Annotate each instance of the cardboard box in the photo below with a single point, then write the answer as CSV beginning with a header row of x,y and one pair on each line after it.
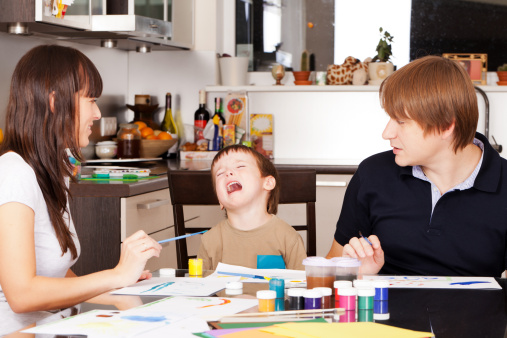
x,y
261,134
197,155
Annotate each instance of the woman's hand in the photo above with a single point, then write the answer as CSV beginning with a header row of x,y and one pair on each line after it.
x,y
371,256
135,252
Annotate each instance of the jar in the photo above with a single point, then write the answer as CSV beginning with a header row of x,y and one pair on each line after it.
x,y
129,141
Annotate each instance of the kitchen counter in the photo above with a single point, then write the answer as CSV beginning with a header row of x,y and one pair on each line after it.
x,y
127,189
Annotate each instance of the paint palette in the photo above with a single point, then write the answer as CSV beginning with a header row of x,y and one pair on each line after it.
x,y
120,173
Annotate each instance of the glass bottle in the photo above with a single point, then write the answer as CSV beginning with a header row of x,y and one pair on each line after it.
x,y
201,117
218,109
129,141
168,124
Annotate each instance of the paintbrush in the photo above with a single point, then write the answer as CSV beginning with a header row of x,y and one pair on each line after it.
x,y
180,237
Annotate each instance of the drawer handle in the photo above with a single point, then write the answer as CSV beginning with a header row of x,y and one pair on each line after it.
x,y
331,184
152,205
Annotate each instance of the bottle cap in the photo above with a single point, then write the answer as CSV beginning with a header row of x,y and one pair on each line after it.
x,y
366,292
347,292
380,284
381,316
362,283
234,285
342,284
296,292
266,294
167,272
312,294
324,291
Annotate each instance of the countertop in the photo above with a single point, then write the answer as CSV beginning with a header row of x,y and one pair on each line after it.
x,y
84,188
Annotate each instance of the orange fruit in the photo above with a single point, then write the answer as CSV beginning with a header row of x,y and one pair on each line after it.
x,y
141,124
146,131
151,137
164,136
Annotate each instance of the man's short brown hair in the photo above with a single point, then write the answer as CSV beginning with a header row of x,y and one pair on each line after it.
x,y
266,168
434,92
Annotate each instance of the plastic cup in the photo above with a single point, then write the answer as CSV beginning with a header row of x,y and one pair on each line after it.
x,y
320,272
346,268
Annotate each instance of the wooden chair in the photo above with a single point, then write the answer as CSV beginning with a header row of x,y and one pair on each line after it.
x,y
195,188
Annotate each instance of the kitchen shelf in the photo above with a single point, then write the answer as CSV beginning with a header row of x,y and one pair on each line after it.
x,y
293,88
315,88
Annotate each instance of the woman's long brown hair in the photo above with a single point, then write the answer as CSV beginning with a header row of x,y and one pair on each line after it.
x,y
40,132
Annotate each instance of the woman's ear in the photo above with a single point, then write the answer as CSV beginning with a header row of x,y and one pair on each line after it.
x,y
269,183
52,101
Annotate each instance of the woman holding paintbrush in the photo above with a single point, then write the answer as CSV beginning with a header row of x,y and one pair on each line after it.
x,y
436,203
49,117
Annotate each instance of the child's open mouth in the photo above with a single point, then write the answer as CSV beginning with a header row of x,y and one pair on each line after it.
x,y
233,186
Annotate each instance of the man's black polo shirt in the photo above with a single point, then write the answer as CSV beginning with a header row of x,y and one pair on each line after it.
x,y
465,236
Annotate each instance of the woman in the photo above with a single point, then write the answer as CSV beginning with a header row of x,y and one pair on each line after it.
x,y
50,113
435,204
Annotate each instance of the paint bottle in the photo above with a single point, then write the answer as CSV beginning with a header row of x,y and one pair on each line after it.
x,y
266,300
195,267
381,290
340,284
381,306
279,304
326,297
296,299
313,299
347,297
348,317
234,288
277,285
365,315
365,298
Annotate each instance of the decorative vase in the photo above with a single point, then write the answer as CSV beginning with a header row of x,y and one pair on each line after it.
x,y
378,71
301,75
278,72
502,78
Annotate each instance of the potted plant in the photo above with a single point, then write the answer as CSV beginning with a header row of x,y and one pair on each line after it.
x,y
302,76
502,74
380,67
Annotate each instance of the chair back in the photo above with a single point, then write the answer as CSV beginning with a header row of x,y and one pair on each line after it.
x,y
196,188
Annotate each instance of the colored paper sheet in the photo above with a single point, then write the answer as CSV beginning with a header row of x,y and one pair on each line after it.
x,y
253,333
176,286
441,282
106,323
346,330
221,332
238,325
207,308
293,278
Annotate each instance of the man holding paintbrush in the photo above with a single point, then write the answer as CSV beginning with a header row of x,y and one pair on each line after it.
x,y
436,204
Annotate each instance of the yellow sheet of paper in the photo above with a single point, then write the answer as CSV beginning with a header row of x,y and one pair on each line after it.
x,y
254,333
284,332
346,330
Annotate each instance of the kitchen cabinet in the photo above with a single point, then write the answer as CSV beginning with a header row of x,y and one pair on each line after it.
x,y
102,223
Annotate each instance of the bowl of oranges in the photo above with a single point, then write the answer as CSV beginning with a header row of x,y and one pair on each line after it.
x,y
154,142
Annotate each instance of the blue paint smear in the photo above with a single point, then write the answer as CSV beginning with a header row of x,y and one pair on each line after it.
x,y
467,283
145,319
158,287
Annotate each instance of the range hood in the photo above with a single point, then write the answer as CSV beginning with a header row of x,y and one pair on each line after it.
x,y
119,28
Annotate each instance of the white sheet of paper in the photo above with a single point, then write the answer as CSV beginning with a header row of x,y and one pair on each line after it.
x,y
433,282
108,323
207,308
176,286
294,278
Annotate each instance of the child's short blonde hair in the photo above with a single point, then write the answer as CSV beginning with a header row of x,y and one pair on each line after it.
x,y
265,166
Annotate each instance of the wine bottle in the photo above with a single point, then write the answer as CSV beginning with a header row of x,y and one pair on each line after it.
x,y
168,124
218,109
201,117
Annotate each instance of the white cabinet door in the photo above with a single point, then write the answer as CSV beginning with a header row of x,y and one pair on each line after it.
x,y
151,212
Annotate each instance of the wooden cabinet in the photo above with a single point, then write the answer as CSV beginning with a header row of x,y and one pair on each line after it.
x,y
102,223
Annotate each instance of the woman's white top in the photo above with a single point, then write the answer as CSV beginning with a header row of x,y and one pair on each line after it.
x,y
19,184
